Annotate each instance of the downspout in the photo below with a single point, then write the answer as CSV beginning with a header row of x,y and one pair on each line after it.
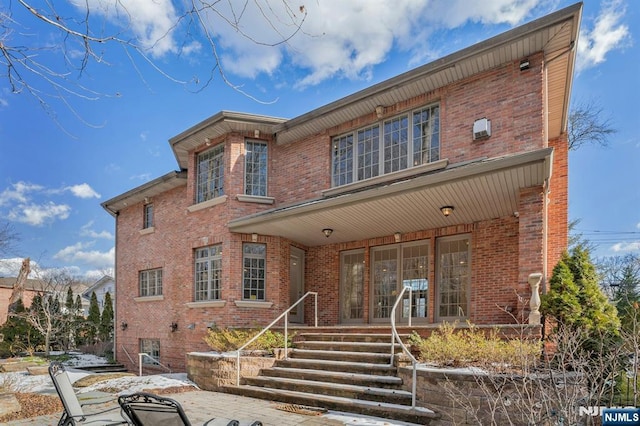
x,y
115,292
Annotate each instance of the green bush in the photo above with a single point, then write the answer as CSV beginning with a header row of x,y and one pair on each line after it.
x,y
452,346
231,339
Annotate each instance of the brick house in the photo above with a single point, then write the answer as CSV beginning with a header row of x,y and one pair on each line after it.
x,y
436,179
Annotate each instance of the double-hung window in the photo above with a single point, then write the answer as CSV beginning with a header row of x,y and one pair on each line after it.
x,y
395,144
254,261
255,163
208,272
150,282
210,174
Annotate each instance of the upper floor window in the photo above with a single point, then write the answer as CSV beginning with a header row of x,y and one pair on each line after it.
x,y
208,272
255,163
254,258
397,143
210,174
148,216
151,282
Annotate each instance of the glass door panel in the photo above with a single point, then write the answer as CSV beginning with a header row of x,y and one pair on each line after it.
x,y
415,274
384,281
352,286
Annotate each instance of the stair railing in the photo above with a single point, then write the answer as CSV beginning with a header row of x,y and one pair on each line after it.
x,y
140,357
395,337
285,314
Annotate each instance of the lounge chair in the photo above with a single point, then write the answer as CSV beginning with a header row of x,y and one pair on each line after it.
x,y
146,409
73,412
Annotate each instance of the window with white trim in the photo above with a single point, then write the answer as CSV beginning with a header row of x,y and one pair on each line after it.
x,y
148,216
210,174
152,348
254,259
255,166
453,276
397,143
150,282
208,273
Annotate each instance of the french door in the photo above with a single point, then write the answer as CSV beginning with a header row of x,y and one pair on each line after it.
x,y
392,268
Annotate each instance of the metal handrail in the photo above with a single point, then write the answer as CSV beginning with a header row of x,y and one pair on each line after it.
x,y
286,335
141,355
396,337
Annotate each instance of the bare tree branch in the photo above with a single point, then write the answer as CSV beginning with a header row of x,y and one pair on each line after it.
x,y
587,126
51,71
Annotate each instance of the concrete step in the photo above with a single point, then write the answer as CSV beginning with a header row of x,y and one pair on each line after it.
x,y
328,345
405,413
349,337
375,394
331,355
104,368
334,377
338,366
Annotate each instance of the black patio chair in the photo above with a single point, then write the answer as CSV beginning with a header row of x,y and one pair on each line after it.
x,y
73,411
147,409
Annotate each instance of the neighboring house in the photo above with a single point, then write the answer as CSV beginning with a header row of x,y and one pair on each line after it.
x,y
31,288
450,178
101,287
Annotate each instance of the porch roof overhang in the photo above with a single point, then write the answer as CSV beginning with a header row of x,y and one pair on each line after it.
x,y
478,190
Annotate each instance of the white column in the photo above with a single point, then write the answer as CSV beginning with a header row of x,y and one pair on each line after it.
x,y
534,302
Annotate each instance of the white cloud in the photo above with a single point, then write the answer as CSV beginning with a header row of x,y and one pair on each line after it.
x,y
39,214
79,253
87,231
82,191
334,39
626,247
11,267
18,193
152,21
607,34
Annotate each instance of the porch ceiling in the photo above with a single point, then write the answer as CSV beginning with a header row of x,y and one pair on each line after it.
x,y
479,190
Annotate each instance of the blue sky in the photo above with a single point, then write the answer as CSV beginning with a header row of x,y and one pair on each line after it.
x,y
67,144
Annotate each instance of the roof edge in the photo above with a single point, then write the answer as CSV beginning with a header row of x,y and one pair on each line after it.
x,y
567,13
176,174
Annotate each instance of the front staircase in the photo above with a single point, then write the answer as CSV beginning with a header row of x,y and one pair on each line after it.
x,y
349,372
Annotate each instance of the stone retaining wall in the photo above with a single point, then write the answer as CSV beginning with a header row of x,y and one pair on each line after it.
x,y
211,371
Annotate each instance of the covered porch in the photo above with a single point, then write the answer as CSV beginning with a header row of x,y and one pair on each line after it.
x,y
358,245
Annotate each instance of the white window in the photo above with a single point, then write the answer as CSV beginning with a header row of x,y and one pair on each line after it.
x,y
254,258
151,282
453,277
368,152
151,348
210,175
395,144
343,160
148,216
255,166
208,272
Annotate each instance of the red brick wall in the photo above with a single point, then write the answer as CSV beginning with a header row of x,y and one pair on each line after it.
x,y
504,250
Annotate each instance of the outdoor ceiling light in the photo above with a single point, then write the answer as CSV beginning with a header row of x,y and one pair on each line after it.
x,y
327,232
446,210
397,237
